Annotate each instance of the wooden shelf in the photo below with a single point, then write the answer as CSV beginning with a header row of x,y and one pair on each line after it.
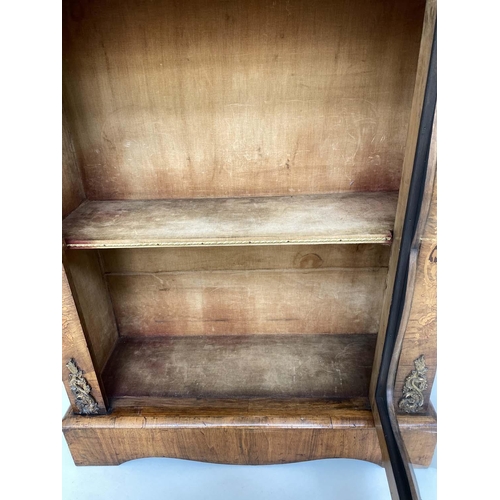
x,y
242,366
335,218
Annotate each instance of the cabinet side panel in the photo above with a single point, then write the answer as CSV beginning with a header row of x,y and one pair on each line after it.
x,y
238,98
421,331
72,186
74,347
409,157
420,85
92,298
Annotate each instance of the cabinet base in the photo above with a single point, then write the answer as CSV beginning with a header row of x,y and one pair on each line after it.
x,y
237,432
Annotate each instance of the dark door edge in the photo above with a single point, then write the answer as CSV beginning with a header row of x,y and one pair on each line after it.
x,y
385,406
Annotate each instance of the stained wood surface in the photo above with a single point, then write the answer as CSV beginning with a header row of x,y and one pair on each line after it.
x,y
238,98
421,330
248,302
72,187
409,157
75,346
241,432
274,366
426,218
162,260
341,218
425,50
92,298
194,411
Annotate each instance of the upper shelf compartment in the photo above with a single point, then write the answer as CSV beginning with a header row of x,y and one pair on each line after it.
x,y
218,99
334,218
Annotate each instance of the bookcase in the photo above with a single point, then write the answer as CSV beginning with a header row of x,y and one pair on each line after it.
x,y
235,181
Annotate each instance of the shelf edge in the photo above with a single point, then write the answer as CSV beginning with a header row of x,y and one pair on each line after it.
x,y
102,244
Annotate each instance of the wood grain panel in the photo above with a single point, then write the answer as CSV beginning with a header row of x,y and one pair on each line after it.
x,y
426,44
239,98
262,433
244,302
427,36
273,366
74,346
91,294
419,433
72,186
160,260
421,331
243,411
342,218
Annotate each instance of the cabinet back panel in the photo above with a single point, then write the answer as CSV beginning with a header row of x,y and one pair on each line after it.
x,y
158,260
171,99
248,302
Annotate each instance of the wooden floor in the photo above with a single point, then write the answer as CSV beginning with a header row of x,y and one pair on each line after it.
x,y
336,218
272,366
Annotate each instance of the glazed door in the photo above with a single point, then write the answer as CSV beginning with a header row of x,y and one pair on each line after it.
x,y
407,364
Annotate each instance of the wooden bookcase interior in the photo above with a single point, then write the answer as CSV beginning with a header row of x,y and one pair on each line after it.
x,y
230,185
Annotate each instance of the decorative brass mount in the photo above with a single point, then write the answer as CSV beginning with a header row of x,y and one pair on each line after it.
x,y
415,385
80,388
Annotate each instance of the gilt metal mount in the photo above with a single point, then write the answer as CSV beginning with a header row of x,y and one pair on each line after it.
x,y
415,385
80,388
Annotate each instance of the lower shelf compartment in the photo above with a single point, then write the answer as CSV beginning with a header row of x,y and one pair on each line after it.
x,y
252,432
242,366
